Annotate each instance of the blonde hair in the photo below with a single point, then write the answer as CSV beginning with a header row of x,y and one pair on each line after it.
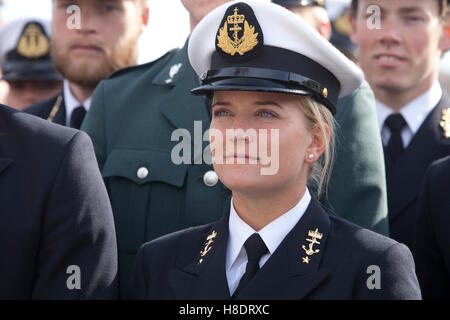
x,y
319,117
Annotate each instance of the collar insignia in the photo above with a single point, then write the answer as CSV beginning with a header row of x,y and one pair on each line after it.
x,y
173,72
312,241
209,240
445,123
33,43
240,35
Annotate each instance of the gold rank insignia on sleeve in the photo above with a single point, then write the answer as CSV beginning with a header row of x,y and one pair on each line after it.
x,y
314,235
209,240
445,123
240,32
33,42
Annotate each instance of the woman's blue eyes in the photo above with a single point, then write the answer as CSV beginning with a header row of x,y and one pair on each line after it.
x,y
267,114
261,113
220,113
107,8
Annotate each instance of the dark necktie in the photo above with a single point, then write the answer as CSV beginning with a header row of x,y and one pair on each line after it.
x,y
255,248
77,117
395,123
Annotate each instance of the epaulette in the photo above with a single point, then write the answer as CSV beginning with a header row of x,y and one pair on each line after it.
x,y
125,70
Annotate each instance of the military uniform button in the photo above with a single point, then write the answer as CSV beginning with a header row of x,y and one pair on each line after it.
x,y
210,178
142,173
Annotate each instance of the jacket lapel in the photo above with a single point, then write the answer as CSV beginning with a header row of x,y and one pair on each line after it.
x,y
284,276
205,280
178,105
406,177
290,272
60,116
5,163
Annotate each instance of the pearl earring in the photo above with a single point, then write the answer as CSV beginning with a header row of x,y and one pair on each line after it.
x,y
311,156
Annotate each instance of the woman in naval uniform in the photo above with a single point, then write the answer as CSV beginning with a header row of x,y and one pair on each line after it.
x,y
274,84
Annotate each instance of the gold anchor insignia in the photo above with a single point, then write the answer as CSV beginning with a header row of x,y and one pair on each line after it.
x,y
209,241
310,251
445,123
33,43
245,44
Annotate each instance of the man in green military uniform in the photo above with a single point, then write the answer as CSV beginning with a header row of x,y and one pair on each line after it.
x,y
131,121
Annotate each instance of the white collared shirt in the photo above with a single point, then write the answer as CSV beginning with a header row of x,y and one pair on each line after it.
x,y
414,114
272,235
71,102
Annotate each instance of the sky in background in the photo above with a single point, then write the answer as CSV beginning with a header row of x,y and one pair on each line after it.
x,y
168,24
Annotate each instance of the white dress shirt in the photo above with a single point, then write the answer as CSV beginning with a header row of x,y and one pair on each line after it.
x,y
71,102
414,113
272,235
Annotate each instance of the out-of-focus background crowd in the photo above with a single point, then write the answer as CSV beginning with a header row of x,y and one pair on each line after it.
x,y
153,42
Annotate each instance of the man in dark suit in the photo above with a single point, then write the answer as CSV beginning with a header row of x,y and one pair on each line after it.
x,y
432,245
87,53
399,53
57,235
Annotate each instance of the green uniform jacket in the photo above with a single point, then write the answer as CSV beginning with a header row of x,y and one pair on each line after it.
x,y
131,121
357,189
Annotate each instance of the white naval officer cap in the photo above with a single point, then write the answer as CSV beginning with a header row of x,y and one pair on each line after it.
x,y
11,31
25,50
259,46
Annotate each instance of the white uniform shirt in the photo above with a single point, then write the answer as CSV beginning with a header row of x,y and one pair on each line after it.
x,y
272,235
71,102
414,113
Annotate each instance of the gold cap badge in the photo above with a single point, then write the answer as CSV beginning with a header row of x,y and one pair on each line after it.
x,y
240,32
33,42
445,123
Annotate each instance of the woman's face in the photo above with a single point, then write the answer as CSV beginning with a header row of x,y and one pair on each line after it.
x,y
260,142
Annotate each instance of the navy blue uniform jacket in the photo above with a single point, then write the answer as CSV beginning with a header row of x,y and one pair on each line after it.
x,y
55,214
405,179
169,268
432,245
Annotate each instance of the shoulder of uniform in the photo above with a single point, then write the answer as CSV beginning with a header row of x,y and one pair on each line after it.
x,y
187,236
358,237
143,67
36,131
41,108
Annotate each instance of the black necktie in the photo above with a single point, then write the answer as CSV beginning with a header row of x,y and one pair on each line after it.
x,y
77,117
255,248
395,123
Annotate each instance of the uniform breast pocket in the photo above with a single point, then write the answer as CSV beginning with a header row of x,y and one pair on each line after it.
x,y
146,194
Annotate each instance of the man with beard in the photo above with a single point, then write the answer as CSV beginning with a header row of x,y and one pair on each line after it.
x,y
131,123
105,40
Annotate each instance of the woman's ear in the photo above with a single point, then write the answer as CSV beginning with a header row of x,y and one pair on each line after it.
x,y
444,43
318,144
